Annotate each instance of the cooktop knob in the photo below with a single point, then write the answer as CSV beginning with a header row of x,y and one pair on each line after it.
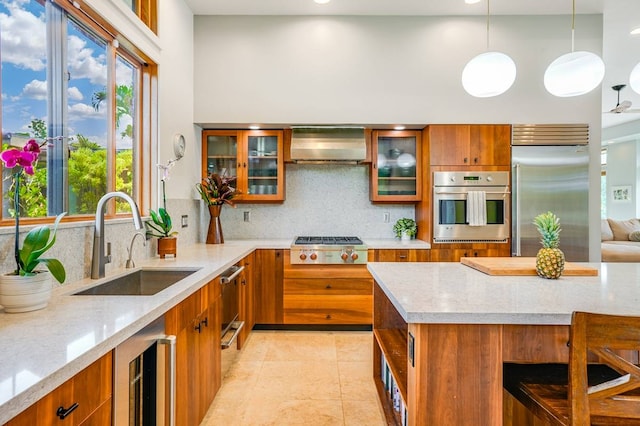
x,y
344,256
354,256
313,256
303,256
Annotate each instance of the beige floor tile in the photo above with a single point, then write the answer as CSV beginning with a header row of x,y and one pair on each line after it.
x,y
310,346
363,413
356,380
273,412
354,346
298,380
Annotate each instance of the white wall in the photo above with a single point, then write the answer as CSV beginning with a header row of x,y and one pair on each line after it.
x,y
385,70
622,170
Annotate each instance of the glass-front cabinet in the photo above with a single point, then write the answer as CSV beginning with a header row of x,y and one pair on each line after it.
x,y
255,157
395,166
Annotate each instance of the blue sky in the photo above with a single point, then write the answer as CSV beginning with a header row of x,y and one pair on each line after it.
x,y
24,80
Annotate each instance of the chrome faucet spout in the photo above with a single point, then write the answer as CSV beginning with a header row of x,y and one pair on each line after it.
x,y
98,259
130,263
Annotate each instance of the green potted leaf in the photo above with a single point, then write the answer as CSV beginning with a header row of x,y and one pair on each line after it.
x,y
160,227
405,228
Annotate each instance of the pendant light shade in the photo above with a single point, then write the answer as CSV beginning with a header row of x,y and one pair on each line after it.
x,y
489,74
574,74
634,79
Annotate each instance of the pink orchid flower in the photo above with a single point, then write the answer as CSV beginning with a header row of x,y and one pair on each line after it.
x,y
24,158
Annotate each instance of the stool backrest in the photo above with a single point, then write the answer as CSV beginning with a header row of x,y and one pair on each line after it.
x,y
603,335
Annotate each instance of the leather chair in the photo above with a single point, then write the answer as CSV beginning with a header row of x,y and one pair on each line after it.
x,y
581,393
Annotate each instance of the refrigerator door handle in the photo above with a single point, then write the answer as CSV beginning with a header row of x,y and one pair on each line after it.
x,y
515,238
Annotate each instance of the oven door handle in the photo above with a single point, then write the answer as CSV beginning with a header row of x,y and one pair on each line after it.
x,y
465,192
227,279
170,341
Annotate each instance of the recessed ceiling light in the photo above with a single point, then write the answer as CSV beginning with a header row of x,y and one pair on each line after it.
x,y
399,128
471,1
635,31
322,1
254,127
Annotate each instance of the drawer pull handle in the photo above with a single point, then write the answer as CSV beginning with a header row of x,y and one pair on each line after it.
x,y
403,256
205,321
328,316
64,412
328,286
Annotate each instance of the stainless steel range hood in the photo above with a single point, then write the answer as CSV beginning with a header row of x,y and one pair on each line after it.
x,y
323,144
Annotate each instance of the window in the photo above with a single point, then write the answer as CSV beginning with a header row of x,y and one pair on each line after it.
x,y
68,81
603,183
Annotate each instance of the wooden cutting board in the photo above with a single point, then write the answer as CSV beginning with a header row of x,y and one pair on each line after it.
x,y
520,266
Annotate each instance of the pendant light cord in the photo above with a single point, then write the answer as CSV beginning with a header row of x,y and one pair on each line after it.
x,y
488,1
573,26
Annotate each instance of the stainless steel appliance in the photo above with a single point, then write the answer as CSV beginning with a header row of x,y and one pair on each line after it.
x,y
231,326
451,191
328,250
141,385
551,178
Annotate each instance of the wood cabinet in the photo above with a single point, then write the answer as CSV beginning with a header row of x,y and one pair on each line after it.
x,y
327,294
246,297
453,252
469,145
91,389
196,324
396,166
398,255
255,157
268,276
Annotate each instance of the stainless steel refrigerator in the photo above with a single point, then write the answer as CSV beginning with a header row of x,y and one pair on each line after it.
x,y
556,179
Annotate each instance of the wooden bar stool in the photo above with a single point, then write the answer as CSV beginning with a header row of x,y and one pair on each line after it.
x,y
581,393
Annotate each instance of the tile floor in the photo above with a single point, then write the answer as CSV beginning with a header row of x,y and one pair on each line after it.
x,y
299,377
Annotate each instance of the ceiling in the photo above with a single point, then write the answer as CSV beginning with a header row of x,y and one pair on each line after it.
x,y
621,51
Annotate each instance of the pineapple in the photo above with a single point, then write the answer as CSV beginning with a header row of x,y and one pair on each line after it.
x,y
550,259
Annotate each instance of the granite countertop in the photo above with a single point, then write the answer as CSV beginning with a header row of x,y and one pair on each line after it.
x,y
43,349
457,294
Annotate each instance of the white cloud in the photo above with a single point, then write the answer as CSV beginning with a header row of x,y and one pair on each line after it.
x,y
83,63
23,38
82,111
35,89
74,94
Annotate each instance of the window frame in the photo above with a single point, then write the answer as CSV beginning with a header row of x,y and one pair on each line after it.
x,y
146,114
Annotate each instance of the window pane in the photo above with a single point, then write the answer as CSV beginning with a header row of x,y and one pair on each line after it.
x,y
24,96
125,134
87,118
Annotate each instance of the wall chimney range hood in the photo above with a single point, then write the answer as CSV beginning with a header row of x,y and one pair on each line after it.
x,y
328,144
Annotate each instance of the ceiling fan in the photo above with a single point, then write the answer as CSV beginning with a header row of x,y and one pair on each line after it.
x,y
623,106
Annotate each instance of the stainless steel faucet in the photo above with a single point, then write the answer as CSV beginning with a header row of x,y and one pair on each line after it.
x,y
130,263
98,259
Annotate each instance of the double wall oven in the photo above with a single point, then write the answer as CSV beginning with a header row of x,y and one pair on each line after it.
x,y
453,193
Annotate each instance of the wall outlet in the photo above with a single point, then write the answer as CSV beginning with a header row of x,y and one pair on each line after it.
x,y
247,216
386,217
185,220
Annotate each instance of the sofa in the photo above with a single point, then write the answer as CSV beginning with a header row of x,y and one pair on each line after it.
x,y
620,240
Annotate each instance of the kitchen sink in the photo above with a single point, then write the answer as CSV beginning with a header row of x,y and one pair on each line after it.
x,y
143,282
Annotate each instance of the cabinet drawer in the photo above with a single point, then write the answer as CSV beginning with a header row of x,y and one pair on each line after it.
x,y
91,388
302,309
328,287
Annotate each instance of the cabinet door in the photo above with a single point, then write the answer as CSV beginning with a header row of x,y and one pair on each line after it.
x,y
396,168
490,145
262,177
268,276
246,299
220,152
449,145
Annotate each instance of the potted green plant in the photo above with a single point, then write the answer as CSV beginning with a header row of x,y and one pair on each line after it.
x,y
161,227
405,228
26,288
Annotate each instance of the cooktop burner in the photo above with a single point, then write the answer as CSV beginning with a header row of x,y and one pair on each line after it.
x,y
333,241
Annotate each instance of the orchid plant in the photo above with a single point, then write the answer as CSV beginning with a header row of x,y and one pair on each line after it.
x,y
41,238
161,224
216,190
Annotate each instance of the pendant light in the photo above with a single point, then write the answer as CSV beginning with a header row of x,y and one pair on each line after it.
x,y
490,73
575,73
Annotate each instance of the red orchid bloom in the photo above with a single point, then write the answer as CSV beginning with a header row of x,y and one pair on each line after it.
x,y
24,158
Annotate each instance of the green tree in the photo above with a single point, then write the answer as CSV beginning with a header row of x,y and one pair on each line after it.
x,y
87,178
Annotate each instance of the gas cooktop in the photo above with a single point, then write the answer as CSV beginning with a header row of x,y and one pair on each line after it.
x,y
333,241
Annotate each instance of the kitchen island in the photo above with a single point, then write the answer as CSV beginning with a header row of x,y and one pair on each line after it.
x,y
445,330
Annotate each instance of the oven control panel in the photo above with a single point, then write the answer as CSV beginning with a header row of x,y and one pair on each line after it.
x,y
326,256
